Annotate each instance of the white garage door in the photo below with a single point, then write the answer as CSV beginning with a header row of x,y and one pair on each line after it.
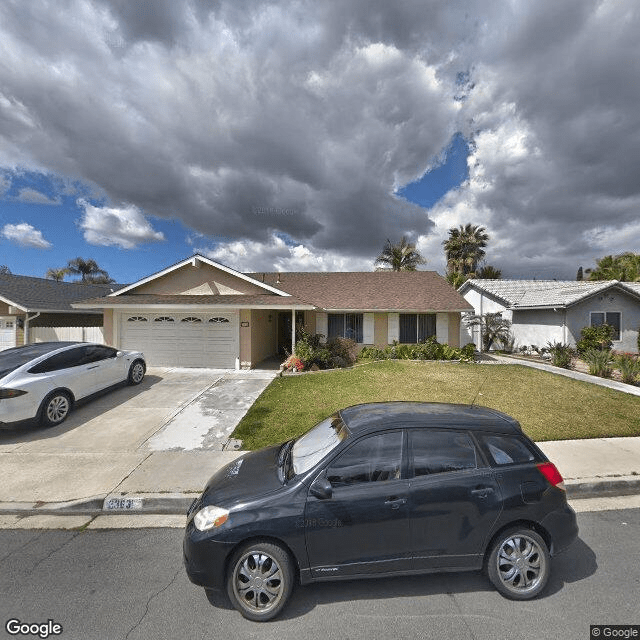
x,y
183,340
7,333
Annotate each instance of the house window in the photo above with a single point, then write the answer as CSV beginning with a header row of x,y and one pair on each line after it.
x,y
611,318
219,320
345,325
191,319
137,319
163,319
415,327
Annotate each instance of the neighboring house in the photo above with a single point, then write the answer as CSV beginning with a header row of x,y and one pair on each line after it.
x,y
37,309
543,311
201,313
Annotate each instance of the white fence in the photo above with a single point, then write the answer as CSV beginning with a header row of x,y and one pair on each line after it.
x,y
71,334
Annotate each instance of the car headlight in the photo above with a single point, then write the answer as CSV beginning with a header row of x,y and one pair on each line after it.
x,y
210,518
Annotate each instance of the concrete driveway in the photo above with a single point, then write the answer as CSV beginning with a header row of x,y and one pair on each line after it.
x,y
172,426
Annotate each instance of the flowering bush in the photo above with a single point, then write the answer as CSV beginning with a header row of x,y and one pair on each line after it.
x,y
293,362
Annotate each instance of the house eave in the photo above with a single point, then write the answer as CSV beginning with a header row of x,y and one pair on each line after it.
x,y
200,307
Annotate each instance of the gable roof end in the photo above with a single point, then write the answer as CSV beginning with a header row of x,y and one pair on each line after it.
x,y
193,260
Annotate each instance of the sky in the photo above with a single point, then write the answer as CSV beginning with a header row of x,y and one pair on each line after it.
x,y
301,135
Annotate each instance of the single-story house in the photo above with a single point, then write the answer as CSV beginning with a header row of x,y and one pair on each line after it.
x,y
37,309
543,311
199,313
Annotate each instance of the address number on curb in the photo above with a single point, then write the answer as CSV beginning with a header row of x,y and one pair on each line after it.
x,y
122,504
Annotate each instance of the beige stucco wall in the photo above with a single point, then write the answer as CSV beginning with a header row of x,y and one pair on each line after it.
x,y
201,280
107,328
380,330
454,329
263,335
245,338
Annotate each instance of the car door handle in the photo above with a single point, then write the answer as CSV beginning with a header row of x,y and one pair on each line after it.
x,y
394,502
482,493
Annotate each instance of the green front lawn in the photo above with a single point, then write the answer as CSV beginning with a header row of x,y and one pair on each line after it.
x,y
549,407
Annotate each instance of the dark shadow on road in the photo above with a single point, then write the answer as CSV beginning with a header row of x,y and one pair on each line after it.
x,y
577,563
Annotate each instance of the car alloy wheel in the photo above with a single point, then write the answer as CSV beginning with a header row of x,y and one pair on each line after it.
x,y
56,408
260,580
519,564
136,372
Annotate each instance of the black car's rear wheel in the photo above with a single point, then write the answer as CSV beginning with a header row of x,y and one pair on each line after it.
x,y
260,580
55,408
519,564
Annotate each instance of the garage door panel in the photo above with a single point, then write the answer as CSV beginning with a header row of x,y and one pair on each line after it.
x,y
189,340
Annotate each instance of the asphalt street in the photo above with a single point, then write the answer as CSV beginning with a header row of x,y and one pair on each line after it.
x,y
106,584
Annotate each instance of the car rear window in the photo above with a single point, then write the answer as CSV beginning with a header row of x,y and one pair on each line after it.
x,y
434,451
11,359
505,449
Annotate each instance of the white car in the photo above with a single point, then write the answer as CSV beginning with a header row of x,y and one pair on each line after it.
x,y
43,381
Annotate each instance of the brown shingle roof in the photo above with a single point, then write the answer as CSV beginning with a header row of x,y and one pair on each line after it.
x,y
144,299
424,291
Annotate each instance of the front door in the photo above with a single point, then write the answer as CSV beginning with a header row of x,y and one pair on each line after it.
x,y
363,527
454,500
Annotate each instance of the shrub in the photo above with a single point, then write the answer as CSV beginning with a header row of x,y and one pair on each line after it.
x,y
468,352
311,351
371,353
343,350
629,366
599,362
597,338
561,354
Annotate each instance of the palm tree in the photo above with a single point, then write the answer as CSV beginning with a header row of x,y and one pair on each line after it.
x,y
489,272
89,271
465,248
399,257
57,274
624,267
493,328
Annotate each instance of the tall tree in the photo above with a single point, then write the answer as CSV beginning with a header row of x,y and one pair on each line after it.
x,y
488,272
624,267
57,274
89,271
402,256
465,248
580,275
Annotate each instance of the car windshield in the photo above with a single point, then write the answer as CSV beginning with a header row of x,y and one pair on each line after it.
x,y
314,445
11,359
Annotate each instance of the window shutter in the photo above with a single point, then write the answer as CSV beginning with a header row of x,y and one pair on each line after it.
x,y
367,330
394,327
322,326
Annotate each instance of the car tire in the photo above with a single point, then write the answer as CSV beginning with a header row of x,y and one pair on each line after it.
x,y
519,563
55,408
136,372
260,580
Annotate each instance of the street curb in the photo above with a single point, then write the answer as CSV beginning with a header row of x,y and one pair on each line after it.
x,y
602,487
178,503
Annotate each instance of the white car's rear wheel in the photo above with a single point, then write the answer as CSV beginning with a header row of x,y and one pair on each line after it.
x,y
55,408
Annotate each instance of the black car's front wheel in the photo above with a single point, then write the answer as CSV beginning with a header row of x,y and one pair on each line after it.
x,y
260,580
519,564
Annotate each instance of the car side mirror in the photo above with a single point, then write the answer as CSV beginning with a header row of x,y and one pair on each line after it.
x,y
321,488
119,354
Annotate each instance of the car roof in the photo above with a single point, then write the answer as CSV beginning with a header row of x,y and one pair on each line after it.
x,y
376,415
15,357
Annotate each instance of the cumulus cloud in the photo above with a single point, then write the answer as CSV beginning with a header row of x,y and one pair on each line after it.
x,y
110,226
209,111
25,235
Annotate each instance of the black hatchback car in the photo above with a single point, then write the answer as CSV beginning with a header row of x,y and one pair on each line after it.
x,y
377,490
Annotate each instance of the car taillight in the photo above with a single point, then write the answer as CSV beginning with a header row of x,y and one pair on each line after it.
x,y
11,393
549,471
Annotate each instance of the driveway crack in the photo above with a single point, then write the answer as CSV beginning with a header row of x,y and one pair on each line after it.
x,y
151,597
